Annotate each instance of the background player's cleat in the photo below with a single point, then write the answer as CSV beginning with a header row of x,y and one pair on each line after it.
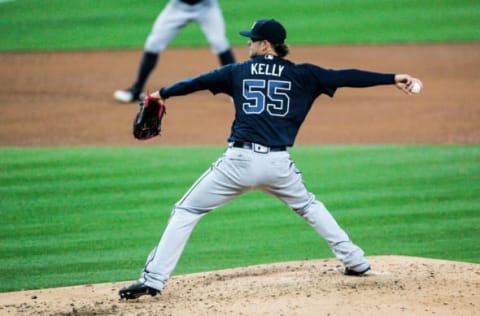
x,y
137,289
351,272
128,95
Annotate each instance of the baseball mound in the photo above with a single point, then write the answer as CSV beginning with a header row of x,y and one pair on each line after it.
x,y
395,286
66,100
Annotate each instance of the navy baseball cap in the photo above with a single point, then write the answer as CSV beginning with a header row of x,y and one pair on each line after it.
x,y
267,29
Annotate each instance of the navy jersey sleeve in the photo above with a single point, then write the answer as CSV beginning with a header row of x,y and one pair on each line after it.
x,y
328,80
217,81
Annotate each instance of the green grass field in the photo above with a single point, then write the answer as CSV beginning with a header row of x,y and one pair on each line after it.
x,y
92,24
89,215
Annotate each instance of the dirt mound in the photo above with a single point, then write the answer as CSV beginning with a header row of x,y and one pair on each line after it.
x,y
395,286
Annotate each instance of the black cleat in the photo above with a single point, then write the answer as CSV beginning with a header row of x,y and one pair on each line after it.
x,y
137,289
351,272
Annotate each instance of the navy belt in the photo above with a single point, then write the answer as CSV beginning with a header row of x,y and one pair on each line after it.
x,y
257,147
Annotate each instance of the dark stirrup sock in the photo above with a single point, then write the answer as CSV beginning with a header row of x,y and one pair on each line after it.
x,y
149,61
226,57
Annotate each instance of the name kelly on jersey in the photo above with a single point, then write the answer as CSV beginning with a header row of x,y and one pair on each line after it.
x,y
266,69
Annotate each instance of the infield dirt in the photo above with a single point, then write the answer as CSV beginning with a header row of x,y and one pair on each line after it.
x,y
65,99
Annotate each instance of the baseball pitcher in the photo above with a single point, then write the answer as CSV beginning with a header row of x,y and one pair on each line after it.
x,y
272,97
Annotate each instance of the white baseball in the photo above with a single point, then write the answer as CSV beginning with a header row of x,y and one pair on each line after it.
x,y
416,87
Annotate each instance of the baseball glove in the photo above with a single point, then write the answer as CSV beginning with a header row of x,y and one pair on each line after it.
x,y
148,121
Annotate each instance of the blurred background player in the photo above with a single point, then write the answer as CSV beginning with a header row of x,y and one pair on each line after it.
x,y
176,15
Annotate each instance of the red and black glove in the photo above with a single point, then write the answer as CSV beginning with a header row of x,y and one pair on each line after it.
x,y
148,121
